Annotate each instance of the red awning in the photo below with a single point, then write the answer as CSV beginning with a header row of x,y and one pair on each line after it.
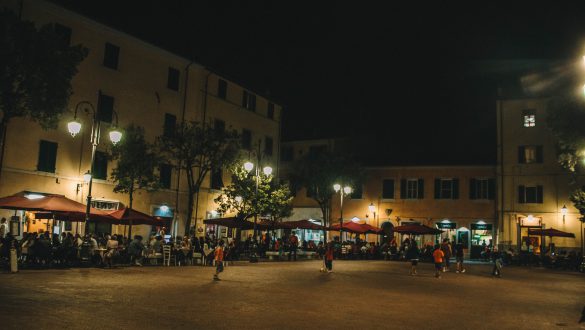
x,y
301,224
123,216
550,232
417,230
350,226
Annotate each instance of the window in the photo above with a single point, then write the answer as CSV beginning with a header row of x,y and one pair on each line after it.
x,y
105,107
222,89
219,126
47,156
111,54
357,192
482,189
287,154
530,194
446,188
530,154
268,146
388,189
249,101
270,112
216,179
170,125
64,33
412,188
529,118
165,171
173,79
100,166
247,139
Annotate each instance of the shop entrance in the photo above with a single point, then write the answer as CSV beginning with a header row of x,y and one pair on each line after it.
x,y
481,239
449,231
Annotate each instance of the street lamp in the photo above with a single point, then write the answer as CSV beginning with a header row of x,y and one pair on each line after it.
x,y
267,170
564,212
74,127
346,191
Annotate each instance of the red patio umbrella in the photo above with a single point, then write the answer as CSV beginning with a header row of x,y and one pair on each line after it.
x,y
230,222
350,226
123,216
302,224
550,232
415,229
371,229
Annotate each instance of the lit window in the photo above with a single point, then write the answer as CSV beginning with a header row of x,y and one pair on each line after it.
x,y
529,118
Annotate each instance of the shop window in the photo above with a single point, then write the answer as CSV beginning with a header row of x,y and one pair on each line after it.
x,y
482,188
173,79
47,156
165,172
268,146
249,101
388,189
222,89
100,166
105,107
111,55
447,188
246,139
530,155
216,179
412,188
530,194
529,118
170,125
270,111
64,33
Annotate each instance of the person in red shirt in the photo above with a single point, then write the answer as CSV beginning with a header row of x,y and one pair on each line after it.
x,y
329,257
438,255
293,242
218,260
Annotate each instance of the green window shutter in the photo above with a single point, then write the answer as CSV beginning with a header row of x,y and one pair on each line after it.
x,y
521,155
421,188
437,188
455,194
521,194
100,166
539,197
165,174
492,189
403,188
472,189
539,154
47,156
388,189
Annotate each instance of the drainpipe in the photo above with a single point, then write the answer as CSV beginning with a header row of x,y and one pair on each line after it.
x,y
500,106
176,213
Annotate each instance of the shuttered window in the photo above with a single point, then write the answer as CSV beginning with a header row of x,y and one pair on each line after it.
x,y
530,194
388,189
100,166
47,156
446,188
480,188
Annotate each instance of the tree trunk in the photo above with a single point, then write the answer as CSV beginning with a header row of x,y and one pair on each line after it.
x,y
3,130
189,211
130,209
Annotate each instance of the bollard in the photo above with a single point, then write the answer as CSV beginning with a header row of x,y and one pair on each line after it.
x,y
13,261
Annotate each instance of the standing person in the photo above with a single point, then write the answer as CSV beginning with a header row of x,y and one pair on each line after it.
x,y
459,257
413,254
112,250
294,244
438,256
447,251
218,260
497,259
329,257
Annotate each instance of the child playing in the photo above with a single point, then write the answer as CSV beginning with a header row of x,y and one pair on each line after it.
x,y
218,260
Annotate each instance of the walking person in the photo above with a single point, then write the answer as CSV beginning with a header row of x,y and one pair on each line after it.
x,y
218,260
294,244
328,257
412,254
438,256
497,259
447,251
459,252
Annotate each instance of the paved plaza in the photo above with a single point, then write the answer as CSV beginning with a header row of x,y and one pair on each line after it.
x,y
285,295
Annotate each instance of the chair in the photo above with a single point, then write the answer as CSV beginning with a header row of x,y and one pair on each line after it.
x,y
168,256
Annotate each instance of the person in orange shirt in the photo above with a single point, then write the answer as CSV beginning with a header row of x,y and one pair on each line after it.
x,y
218,260
438,255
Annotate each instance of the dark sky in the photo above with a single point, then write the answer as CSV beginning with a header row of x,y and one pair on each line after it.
x,y
411,83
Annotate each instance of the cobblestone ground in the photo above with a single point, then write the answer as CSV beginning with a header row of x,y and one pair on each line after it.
x,y
359,294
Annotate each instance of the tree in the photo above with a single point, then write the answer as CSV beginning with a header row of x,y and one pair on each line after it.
x,y
36,68
136,165
198,148
272,200
319,172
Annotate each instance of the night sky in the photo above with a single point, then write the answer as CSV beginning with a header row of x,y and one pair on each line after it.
x,y
410,83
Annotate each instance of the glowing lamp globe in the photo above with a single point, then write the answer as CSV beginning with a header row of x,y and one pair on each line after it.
x,y
115,136
267,170
87,177
347,190
238,199
248,166
74,127
336,187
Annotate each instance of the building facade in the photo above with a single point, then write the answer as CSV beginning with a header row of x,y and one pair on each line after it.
x,y
534,188
145,85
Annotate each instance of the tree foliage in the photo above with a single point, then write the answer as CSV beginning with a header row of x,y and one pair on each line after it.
x,y
197,149
319,172
273,200
136,164
36,68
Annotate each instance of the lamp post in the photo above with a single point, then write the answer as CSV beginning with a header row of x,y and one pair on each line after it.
x,y
372,209
74,127
345,191
267,170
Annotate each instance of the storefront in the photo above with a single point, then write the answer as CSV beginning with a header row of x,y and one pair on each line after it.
x,y
524,225
449,229
481,237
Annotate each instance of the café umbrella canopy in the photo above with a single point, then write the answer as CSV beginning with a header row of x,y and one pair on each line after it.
x,y
416,229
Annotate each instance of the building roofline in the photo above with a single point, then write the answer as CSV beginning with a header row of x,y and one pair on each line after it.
x,y
430,167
